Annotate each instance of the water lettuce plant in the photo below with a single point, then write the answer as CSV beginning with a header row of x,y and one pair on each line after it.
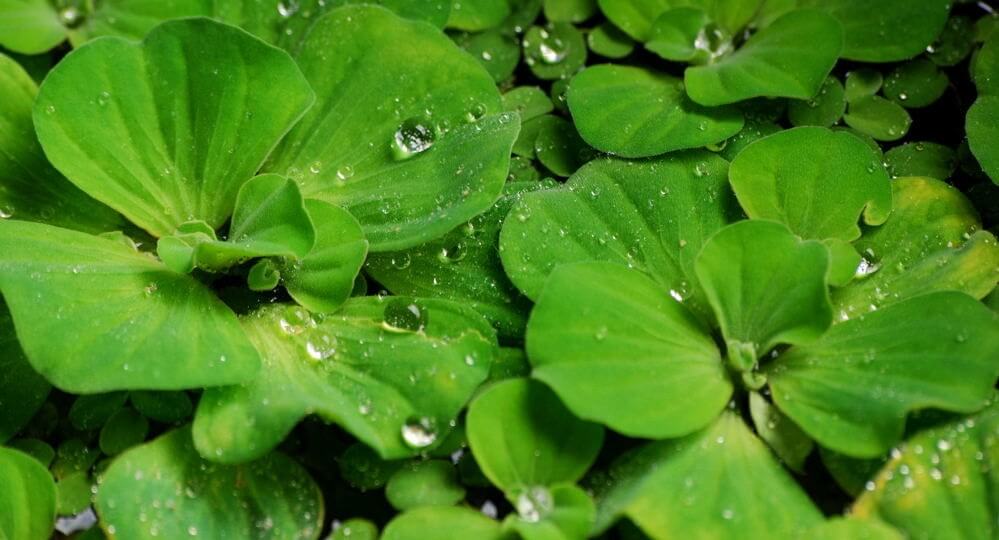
x,y
499,269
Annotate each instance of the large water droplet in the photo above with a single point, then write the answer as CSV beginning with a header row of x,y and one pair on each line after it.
x,y
419,432
534,503
413,137
404,316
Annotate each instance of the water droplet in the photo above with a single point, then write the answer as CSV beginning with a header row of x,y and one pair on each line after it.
x,y
104,98
401,261
413,137
6,212
287,8
476,112
315,167
71,17
295,320
404,316
345,172
192,530
534,503
419,432
601,333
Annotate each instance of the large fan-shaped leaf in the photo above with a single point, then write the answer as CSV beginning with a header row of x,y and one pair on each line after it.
x,y
635,112
930,242
165,489
393,372
166,131
721,482
405,138
814,180
941,483
886,30
852,389
619,350
652,215
773,62
30,189
123,320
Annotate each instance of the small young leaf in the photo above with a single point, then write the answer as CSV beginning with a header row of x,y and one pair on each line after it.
x,y
617,349
523,436
876,116
815,181
208,500
325,277
560,148
862,83
766,286
983,131
91,412
824,109
675,36
125,429
916,83
921,159
772,62
474,15
783,436
28,497
609,41
851,389
443,523
635,112
573,11
432,482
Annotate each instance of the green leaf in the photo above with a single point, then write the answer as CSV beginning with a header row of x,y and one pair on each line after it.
x,y
721,482
851,389
323,280
555,51
498,50
983,131
28,497
375,96
463,266
940,483
921,159
561,513
424,483
210,117
393,372
355,529
73,493
91,412
954,43
851,528
782,435
523,436
824,109
559,147
473,15
31,188
878,117
634,112
22,390
573,11
984,72
862,83
772,62
165,489
887,30
609,41
30,26
442,523
527,101
766,286
363,469
916,83
929,243
125,429
634,17
675,36
269,219
84,289
653,215
815,181
617,349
